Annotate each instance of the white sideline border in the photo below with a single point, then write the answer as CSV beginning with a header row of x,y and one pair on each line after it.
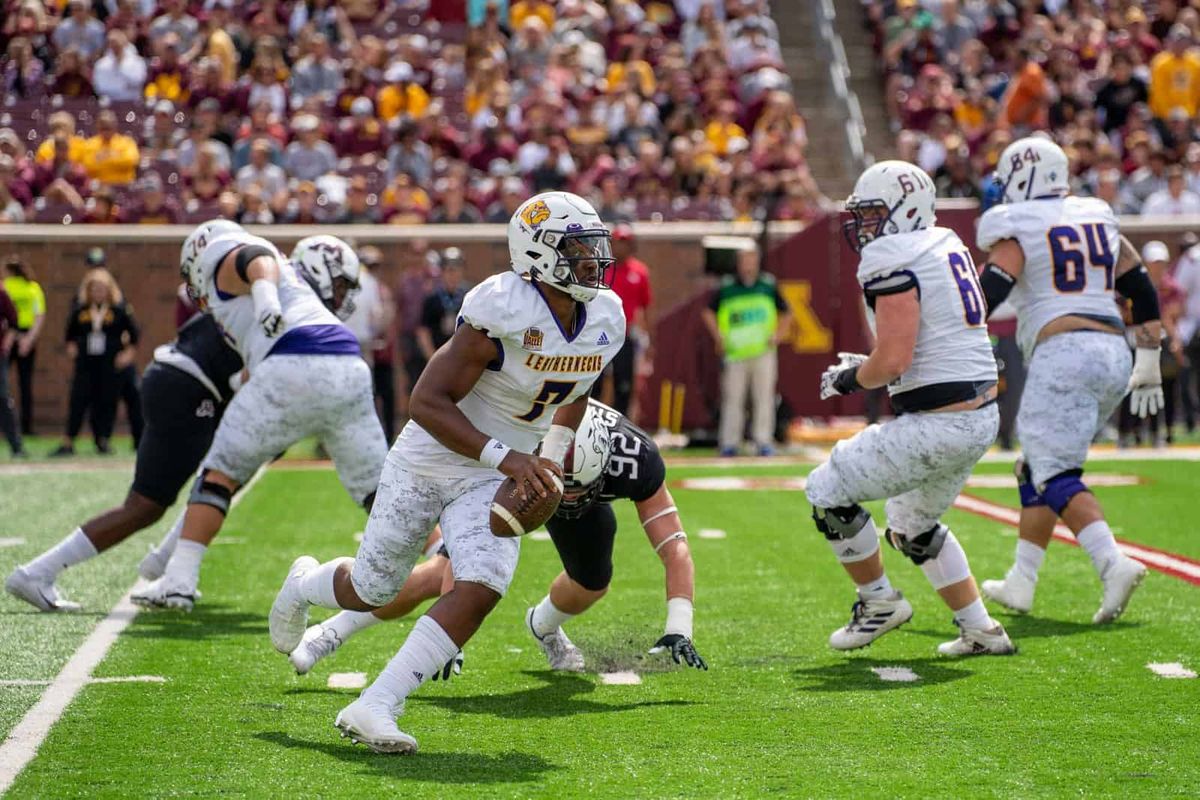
x,y
25,739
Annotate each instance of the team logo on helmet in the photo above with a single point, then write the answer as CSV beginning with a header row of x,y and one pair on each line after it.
x,y
535,213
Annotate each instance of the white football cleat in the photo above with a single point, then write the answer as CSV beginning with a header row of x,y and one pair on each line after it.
x,y
289,612
871,619
1120,578
317,643
154,563
374,724
972,642
166,592
1014,591
41,594
561,652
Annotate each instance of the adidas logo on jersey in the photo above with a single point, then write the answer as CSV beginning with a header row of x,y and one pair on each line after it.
x,y
603,340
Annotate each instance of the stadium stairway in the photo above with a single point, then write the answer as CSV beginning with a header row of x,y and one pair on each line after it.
x,y
864,78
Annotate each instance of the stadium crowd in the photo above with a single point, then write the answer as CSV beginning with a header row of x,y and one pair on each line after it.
x,y
1117,83
396,111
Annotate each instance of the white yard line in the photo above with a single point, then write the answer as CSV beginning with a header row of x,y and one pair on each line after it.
x,y
347,680
896,674
24,740
711,533
11,541
1171,670
126,679
540,535
624,678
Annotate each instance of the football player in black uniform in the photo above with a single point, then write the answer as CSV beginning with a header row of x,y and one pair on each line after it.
x,y
611,459
184,391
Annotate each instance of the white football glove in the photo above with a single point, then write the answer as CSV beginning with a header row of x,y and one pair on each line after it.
x,y
829,376
1145,384
267,307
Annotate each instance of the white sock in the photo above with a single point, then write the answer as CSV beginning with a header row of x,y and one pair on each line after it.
x,y
974,616
547,618
348,623
426,650
1097,539
878,589
171,539
1029,559
70,551
185,562
317,584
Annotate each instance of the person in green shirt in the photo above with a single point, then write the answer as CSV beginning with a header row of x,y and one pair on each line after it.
x,y
746,319
26,294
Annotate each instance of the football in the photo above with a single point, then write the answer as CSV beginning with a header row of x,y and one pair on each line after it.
x,y
513,516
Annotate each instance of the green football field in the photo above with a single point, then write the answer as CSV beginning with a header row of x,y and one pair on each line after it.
x,y
215,711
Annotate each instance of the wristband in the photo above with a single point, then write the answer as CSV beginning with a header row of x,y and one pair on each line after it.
x,y
266,295
557,444
493,453
679,617
846,381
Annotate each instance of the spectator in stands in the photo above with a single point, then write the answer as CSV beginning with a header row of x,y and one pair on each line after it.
x,y
12,210
101,337
102,208
317,74
1108,189
354,85
1147,179
8,337
306,207
109,157
360,137
1120,92
254,210
1157,257
439,310
1026,102
24,74
162,132
453,206
61,180
120,73
309,156
265,84
401,95
512,194
612,204
631,282
71,77
153,207
410,155
359,208
1175,75
216,41
261,125
213,85
405,203
746,320
167,75
131,17
270,178
1178,134
955,177
26,294
1191,162
954,29
205,180
1174,201
176,20
79,30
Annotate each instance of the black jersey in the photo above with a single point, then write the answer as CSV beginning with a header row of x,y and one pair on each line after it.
x,y
635,468
202,343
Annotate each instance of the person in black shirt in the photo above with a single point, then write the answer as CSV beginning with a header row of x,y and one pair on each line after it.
x,y
1120,93
611,459
101,338
184,392
439,312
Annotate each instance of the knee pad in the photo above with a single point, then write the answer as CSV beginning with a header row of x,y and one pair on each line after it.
x,y
849,531
1030,496
1059,490
593,577
923,546
207,493
950,565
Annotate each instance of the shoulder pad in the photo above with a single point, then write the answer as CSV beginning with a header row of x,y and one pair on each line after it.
x,y
995,225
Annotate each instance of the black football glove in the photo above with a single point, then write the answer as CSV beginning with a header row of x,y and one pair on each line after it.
x,y
681,649
451,667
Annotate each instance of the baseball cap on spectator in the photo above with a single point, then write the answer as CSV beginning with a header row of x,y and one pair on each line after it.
x,y
1178,113
1179,32
165,106
1155,251
151,182
304,123
398,72
452,257
362,107
622,232
95,256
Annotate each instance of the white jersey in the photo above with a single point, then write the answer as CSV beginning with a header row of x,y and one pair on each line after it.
x,y
236,316
1071,246
538,367
953,346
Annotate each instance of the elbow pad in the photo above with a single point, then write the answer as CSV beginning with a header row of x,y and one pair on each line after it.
x,y
247,254
1143,297
996,285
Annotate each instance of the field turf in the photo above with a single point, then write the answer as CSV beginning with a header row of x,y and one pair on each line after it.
x,y
1075,713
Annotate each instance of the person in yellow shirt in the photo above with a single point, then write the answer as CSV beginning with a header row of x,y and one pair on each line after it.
x,y
110,157
26,294
527,8
1175,75
401,95
61,122
220,46
722,129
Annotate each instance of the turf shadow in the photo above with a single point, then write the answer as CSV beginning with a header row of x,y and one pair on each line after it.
x,y
854,675
562,695
435,767
209,621
1025,626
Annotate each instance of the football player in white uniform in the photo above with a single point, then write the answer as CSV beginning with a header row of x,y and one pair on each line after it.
x,y
1059,259
934,355
516,373
308,378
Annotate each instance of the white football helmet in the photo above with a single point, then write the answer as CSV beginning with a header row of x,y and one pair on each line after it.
x,y
193,248
558,239
1033,168
890,197
583,471
332,268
